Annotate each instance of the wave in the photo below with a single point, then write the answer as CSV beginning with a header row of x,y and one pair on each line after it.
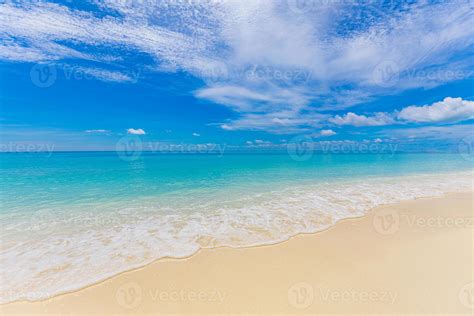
x,y
51,251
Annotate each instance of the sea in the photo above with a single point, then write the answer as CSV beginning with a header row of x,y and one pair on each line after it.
x,y
72,219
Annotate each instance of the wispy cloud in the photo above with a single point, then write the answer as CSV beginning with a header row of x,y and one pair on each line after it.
x,y
378,119
451,132
96,131
275,66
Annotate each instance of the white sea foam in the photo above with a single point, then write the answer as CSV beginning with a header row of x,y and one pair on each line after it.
x,y
53,251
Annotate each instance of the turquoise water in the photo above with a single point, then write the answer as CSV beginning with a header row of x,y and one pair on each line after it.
x,y
29,179
71,219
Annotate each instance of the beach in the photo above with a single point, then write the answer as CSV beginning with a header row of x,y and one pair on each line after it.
x,y
210,157
71,220
410,257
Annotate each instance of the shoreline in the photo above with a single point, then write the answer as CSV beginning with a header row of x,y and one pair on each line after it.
x,y
131,270
319,208
205,252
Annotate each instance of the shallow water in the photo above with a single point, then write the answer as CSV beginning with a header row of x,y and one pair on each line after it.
x,y
72,219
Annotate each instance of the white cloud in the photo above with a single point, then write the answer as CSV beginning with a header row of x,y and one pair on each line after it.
x,y
100,131
239,98
196,134
448,110
42,23
138,131
284,122
327,132
219,40
16,52
353,119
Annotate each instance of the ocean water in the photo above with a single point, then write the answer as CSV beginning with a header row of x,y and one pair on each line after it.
x,y
69,220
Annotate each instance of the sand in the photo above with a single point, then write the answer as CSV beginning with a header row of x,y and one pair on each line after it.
x,y
411,257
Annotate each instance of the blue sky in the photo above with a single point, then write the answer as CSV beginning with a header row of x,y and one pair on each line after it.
x,y
83,74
